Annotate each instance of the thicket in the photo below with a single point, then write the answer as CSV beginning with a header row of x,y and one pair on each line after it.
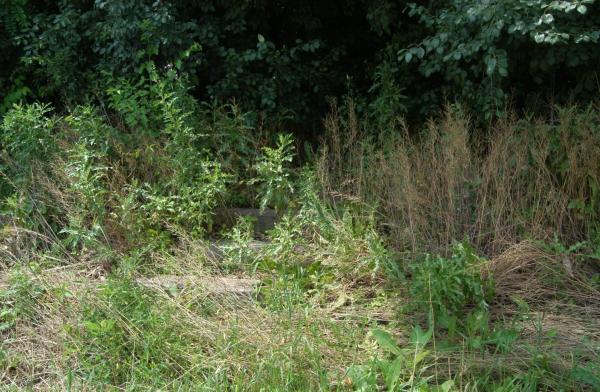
x,y
283,59
441,233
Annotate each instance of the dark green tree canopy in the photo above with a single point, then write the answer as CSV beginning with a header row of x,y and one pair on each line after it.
x,y
286,58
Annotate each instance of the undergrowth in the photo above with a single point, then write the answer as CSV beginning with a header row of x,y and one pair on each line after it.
x,y
403,262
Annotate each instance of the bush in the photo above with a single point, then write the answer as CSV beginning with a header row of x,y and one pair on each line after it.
x,y
273,176
28,135
28,138
450,287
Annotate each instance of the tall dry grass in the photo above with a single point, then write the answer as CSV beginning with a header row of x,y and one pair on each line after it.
x,y
526,178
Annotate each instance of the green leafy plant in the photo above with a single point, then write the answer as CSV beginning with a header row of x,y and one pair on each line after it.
x,y
87,172
28,134
238,250
450,286
274,177
28,138
401,369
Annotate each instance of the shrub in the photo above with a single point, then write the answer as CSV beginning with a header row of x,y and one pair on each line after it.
x,y
27,135
273,176
450,286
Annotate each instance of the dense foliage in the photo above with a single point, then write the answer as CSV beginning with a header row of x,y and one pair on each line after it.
x,y
285,59
299,195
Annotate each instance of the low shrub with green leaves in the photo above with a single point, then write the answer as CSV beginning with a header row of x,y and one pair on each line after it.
x,y
95,176
451,286
273,175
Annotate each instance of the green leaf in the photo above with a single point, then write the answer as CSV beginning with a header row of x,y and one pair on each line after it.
x,y
502,71
539,38
447,385
491,66
393,373
421,356
582,9
386,341
420,337
91,326
547,18
261,38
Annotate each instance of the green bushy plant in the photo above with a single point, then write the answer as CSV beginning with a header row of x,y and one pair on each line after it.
x,y
132,100
87,173
389,102
185,206
194,181
238,251
450,286
230,135
28,140
323,247
28,134
151,100
274,176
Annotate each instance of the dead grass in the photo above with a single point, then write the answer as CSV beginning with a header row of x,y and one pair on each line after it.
x,y
554,288
527,178
527,272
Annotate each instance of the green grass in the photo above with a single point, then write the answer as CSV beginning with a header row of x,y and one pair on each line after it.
x,y
305,329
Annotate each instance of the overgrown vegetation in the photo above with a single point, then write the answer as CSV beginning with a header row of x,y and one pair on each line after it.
x,y
282,60
167,223
365,250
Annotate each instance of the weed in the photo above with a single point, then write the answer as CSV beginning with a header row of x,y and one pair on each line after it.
x,y
451,286
239,252
27,134
273,175
401,369
19,300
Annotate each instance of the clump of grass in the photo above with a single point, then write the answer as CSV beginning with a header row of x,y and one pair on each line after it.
x,y
127,337
528,178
